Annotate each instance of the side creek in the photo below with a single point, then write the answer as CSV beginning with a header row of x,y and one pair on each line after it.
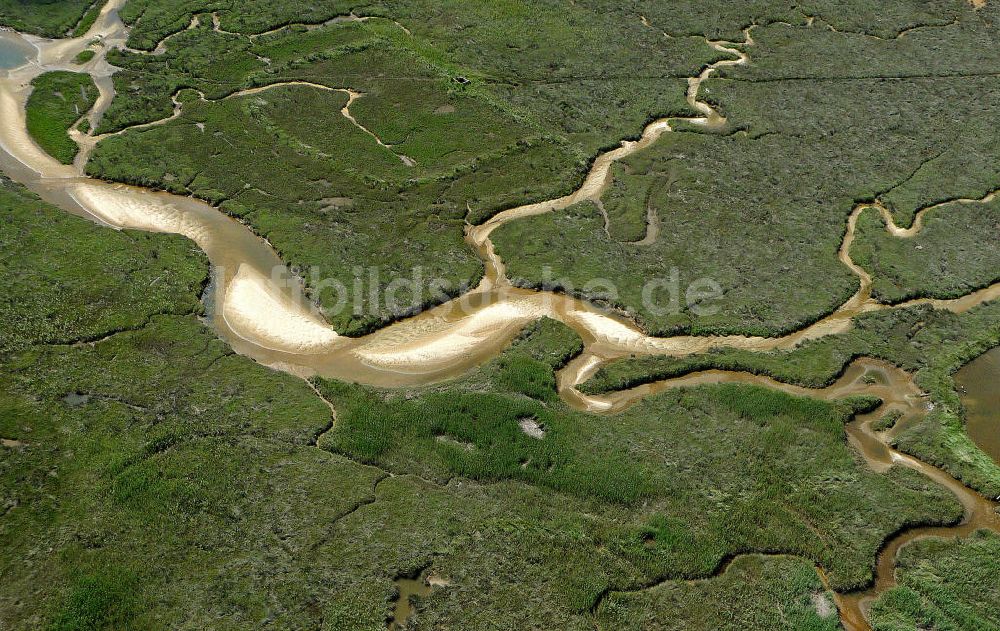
x,y
259,308
864,376
408,588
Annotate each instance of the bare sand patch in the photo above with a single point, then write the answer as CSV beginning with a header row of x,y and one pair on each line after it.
x,y
529,425
257,311
824,608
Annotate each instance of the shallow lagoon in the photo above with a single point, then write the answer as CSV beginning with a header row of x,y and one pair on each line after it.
x,y
979,382
14,50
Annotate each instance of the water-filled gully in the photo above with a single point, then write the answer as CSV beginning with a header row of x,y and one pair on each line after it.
x,y
865,376
269,320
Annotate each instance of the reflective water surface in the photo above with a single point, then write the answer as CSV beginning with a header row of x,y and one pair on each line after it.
x,y
979,383
14,50
266,318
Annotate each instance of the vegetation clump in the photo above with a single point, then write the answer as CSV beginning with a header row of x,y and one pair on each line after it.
x,y
84,56
943,584
887,421
57,101
48,18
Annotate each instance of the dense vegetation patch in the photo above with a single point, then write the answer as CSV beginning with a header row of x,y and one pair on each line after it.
x,y
716,470
69,280
752,593
626,213
88,19
953,255
944,584
934,344
818,121
49,18
57,101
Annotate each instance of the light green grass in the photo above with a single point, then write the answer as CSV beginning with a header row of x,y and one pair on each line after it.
x,y
84,56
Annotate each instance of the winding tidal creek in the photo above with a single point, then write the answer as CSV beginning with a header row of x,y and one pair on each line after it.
x,y
267,318
899,394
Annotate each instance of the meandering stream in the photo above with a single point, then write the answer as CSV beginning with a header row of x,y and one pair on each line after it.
x,y
267,318
865,376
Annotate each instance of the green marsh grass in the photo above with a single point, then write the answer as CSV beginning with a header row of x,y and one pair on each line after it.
x,y
58,100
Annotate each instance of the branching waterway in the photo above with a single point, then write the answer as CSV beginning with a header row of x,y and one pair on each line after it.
x,y
265,316
899,394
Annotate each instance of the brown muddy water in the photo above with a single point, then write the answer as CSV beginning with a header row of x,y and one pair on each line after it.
x,y
979,384
260,309
865,376
408,589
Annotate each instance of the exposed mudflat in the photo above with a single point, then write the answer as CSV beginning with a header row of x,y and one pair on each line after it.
x,y
260,308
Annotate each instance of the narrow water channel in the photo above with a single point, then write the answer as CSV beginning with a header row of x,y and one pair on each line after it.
x,y
898,393
267,318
